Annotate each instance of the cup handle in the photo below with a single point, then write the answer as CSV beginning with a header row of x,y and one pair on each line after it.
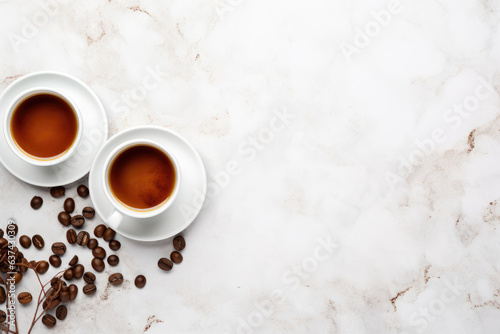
x,y
114,220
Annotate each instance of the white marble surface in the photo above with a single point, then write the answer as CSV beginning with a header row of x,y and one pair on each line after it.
x,y
415,254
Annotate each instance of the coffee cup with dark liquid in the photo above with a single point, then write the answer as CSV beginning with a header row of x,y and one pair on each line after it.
x,y
43,127
141,179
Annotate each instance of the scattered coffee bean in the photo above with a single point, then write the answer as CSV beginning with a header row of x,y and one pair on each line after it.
x,y
58,248
71,236
77,221
140,281
57,192
113,260
82,191
42,267
1,233
3,243
99,230
115,245
64,218
69,205
68,274
83,238
64,296
36,202
3,295
99,252
25,241
61,312
88,212
24,298
109,234
38,241
3,317
49,320
93,243
78,271
12,228
52,304
89,277
116,279
179,243
98,264
18,276
55,261
176,257
73,292
165,264
89,289
74,261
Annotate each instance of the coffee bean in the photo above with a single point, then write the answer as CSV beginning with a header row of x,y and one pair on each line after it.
x,y
77,221
58,248
3,243
69,205
93,243
57,192
3,295
89,289
83,238
64,296
176,257
71,236
115,245
52,304
3,317
82,191
99,230
64,218
68,274
89,277
179,243
55,261
78,271
98,264
61,312
165,264
73,292
42,267
140,281
116,279
12,229
99,252
73,261
18,276
88,212
49,320
38,241
36,202
1,233
113,260
25,241
109,234
24,298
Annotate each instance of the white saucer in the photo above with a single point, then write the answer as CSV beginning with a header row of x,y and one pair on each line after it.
x,y
95,130
189,200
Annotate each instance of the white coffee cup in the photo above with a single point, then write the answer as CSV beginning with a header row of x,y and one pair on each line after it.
x,y
39,161
121,210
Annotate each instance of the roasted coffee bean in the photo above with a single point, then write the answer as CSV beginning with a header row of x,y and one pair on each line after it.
x,y
74,261
32,263
99,230
140,281
17,276
3,295
71,236
1,233
89,289
98,264
61,312
42,267
25,241
52,304
12,229
24,268
82,191
36,202
68,274
64,218
69,205
78,271
99,252
83,238
179,243
58,248
24,298
38,241
88,212
176,257
113,260
55,261
64,296
109,234
93,243
89,277
77,221
116,279
3,317
57,191
49,320
73,292
3,243
115,245
165,264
